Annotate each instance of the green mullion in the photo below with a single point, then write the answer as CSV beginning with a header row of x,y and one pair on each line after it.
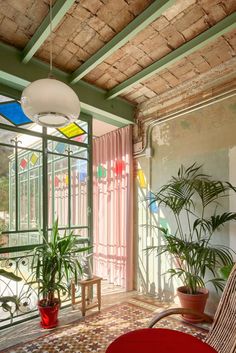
x,y
17,248
20,130
72,227
65,155
66,141
21,231
45,185
29,150
9,145
38,134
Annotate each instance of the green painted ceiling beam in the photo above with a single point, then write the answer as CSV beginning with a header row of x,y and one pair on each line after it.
x,y
225,25
10,92
132,29
93,100
58,11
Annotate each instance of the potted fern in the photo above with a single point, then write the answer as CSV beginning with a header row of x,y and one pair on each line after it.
x,y
190,197
54,263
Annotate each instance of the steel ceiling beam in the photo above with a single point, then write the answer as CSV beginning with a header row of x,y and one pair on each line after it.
x,y
132,29
42,33
225,25
16,75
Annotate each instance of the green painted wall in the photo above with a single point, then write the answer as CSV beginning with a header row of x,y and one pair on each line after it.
x,y
206,136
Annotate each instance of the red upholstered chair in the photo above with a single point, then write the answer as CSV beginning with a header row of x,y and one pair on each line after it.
x,y
222,335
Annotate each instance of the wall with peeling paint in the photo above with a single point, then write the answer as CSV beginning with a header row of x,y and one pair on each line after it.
x,y
206,136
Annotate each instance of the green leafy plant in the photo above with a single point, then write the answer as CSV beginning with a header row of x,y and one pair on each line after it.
x,y
190,196
55,263
225,271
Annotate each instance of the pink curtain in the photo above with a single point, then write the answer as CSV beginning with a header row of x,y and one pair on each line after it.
x,y
113,207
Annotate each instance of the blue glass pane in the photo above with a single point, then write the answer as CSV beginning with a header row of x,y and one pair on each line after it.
x,y
82,170
14,113
60,147
152,204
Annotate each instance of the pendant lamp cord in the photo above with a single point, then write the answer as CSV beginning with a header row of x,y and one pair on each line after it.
x,y
50,15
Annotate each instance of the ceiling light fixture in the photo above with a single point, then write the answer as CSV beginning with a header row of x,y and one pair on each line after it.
x,y
49,102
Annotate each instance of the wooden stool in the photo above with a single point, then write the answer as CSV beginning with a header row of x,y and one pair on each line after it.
x,y
86,300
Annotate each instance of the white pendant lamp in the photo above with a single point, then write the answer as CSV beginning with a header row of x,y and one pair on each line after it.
x,y
49,102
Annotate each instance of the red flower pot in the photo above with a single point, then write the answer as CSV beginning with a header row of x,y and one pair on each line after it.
x,y
196,302
49,314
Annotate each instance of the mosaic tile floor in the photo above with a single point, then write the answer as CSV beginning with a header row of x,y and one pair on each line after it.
x,y
95,332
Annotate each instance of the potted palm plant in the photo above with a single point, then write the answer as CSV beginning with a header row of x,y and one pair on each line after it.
x,y
54,263
191,197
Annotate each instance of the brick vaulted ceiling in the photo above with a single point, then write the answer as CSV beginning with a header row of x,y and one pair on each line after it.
x,y
89,24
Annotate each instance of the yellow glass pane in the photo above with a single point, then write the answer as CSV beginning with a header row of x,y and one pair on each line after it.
x,y
72,130
34,158
141,179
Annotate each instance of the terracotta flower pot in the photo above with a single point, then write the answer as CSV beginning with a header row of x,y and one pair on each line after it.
x,y
49,314
196,302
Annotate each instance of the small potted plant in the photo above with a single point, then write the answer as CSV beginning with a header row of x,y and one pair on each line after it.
x,y
191,196
54,263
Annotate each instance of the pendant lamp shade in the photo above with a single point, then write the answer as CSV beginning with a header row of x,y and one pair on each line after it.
x,y
50,103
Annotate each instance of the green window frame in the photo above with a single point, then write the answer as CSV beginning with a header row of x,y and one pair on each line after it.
x,y
45,154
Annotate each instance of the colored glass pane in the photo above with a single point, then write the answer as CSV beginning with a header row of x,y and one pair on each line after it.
x,y
72,130
152,204
119,167
56,181
60,147
66,179
141,179
13,112
34,158
82,170
82,176
101,172
23,163
80,138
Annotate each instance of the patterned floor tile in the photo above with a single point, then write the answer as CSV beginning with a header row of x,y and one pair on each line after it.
x,y
94,333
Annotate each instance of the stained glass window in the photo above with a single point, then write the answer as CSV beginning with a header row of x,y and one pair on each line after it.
x,y
72,130
13,112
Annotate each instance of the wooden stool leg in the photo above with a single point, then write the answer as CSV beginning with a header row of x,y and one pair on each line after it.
x,y
72,294
89,294
83,295
99,294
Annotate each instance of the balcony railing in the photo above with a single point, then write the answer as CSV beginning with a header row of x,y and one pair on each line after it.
x,y
24,291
